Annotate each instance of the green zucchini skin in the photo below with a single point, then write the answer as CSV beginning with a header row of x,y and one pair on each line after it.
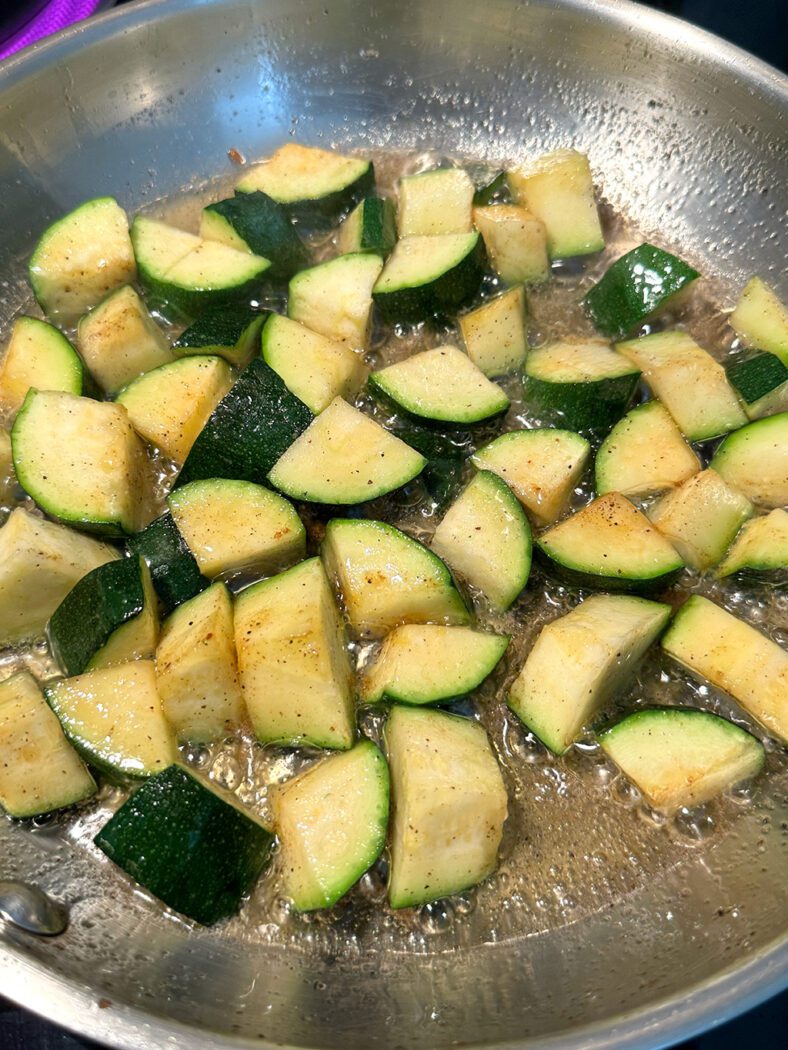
x,y
250,429
595,405
322,213
233,335
755,375
264,225
651,587
377,227
636,285
445,295
173,568
443,449
494,190
184,843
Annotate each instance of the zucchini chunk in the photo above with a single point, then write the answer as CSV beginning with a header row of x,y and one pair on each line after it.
x,y
231,334
580,661
494,333
370,227
581,385
385,578
441,384
644,453
701,518
39,564
109,617
760,547
516,243
344,457
256,223
81,461
119,340
169,406
485,538
295,671
449,805
435,203
7,478
189,844
715,645
332,821
251,427
174,570
40,771
635,288
114,717
80,258
431,664
37,357
232,526
760,319
196,669
682,757
429,276
316,369
314,185
761,381
610,543
557,189
335,298
542,467
676,368
754,460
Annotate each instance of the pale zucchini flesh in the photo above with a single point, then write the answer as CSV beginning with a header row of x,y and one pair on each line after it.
x,y
516,243
37,356
494,333
754,460
7,479
761,546
761,319
434,203
334,298
310,181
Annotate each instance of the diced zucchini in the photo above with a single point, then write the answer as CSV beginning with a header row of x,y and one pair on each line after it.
x,y
580,385
441,384
332,821
39,564
701,518
7,478
485,538
610,543
295,673
754,460
542,467
682,757
677,370
449,805
635,288
315,185
385,578
119,340
230,526
81,461
114,717
315,368
429,276
580,661
37,356
250,428
39,771
516,243
109,617
169,406
344,457
761,319
370,227
435,203
494,333
189,844
231,334
430,664
492,187
174,571
644,453
335,298
761,381
80,258
196,669
760,547
729,653
256,223
557,188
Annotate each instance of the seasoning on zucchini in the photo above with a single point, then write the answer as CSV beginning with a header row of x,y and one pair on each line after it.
x,y
435,203
760,319
38,356
516,243
760,548
494,333
754,460
761,381
231,334
335,298
256,223
174,571
370,227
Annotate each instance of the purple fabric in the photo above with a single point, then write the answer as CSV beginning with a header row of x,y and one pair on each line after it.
x,y
55,16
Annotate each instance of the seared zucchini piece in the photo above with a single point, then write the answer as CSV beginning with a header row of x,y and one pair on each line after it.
x,y
335,298
434,203
754,460
760,547
385,578
449,805
332,821
580,661
189,844
40,770
494,333
80,258
231,334
761,381
729,653
37,357
295,672
256,223
370,227
761,320
682,757
174,571
516,243
7,478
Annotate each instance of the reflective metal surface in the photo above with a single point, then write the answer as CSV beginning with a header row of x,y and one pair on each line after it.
x,y
684,132
30,909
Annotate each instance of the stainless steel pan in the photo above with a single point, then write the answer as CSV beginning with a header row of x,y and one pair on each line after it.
x,y
689,135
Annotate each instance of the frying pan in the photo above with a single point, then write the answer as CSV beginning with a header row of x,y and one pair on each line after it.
x,y
686,133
